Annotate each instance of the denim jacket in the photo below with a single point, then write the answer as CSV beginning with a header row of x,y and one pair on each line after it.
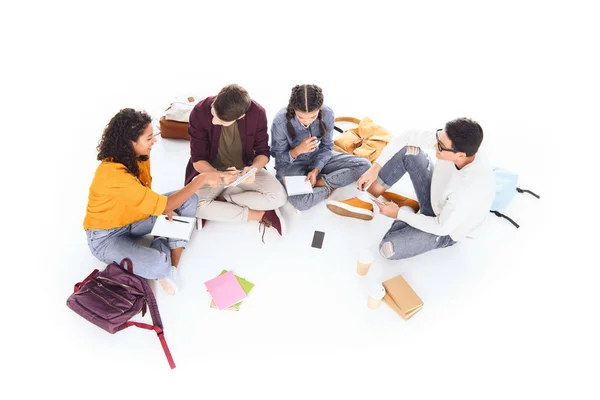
x,y
282,143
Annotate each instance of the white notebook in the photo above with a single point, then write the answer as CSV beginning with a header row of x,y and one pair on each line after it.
x,y
179,228
297,185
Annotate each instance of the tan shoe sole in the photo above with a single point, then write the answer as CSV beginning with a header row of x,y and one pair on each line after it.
x,y
345,210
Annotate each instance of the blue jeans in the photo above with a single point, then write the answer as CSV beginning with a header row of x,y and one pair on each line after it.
x,y
152,262
341,170
402,240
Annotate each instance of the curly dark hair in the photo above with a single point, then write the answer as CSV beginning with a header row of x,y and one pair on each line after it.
x,y
125,127
305,98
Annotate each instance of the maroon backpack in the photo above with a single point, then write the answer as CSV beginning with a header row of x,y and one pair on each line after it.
x,y
109,299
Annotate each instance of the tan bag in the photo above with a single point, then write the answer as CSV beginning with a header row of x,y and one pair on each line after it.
x,y
173,129
367,140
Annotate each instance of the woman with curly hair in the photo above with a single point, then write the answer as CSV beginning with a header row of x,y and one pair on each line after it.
x,y
122,206
302,144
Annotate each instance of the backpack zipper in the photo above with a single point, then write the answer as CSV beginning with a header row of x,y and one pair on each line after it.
x,y
112,291
104,300
115,282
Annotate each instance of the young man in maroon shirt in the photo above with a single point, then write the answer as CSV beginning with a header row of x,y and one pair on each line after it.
x,y
229,132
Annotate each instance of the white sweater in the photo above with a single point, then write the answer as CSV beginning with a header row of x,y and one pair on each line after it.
x,y
461,199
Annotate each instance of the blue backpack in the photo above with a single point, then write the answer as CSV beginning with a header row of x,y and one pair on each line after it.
x,y
506,187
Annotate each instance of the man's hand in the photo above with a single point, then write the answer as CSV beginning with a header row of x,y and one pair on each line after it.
x,y
312,177
170,214
389,209
368,177
251,178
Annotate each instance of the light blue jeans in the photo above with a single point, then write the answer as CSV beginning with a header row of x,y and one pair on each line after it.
x,y
341,170
152,262
402,240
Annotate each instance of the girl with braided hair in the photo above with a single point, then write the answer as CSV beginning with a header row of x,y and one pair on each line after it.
x,y
302,144
122,206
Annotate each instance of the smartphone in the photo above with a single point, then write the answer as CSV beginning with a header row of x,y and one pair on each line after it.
x,y
318,239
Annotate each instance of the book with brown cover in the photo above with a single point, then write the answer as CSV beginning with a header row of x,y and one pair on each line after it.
x,y
401,297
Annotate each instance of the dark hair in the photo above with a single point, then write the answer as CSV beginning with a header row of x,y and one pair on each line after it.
x,y
465,134
231,103
125,127
304,98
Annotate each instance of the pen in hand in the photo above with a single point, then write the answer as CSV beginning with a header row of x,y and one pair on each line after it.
x,y
178,220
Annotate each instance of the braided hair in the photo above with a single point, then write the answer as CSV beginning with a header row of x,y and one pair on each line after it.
x,y
305,98
125,127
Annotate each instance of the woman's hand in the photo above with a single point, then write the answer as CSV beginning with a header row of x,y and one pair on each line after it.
x,y
368,177
212,179
312,177
170,214
229,176
307,145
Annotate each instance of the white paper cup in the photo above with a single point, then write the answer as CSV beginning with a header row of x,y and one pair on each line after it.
x,y
365,259
376,293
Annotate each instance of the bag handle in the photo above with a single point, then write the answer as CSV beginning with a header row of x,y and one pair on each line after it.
x,y
129,265
345,119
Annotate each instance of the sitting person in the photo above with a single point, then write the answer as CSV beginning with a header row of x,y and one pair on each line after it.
x,y
302,144
229,131
454,196
122,206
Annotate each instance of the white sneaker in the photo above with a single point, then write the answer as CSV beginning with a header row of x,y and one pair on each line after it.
x,y
170,283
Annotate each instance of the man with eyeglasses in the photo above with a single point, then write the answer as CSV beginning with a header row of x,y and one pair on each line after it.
x,y
454,195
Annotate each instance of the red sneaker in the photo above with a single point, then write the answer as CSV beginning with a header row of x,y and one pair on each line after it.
x,y
272,218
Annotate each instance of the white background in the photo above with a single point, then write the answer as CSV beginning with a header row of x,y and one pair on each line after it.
x,y
513,314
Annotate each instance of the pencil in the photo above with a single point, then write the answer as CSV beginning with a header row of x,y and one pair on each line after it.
x,y
178,220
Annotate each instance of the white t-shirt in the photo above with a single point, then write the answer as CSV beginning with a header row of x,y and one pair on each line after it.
x,y
460,199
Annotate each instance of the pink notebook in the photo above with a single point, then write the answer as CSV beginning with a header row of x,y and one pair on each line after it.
x,y
225,290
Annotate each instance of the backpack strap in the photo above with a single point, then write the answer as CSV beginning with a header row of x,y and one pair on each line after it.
x,y
500,215
157,327
151,301
527,191
78,285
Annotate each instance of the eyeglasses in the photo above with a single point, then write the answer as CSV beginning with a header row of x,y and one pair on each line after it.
x,y
440,145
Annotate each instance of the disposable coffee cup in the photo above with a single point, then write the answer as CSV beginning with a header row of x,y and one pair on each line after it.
x,y
376,293
365,259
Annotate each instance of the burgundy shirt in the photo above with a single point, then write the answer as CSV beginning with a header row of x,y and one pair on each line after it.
x,y
204,136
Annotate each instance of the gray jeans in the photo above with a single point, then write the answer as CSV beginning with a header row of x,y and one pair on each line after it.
x,y
341,170
402,240
152,262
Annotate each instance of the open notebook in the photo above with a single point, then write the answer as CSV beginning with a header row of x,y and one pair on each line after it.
x,y
179,228
297,185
